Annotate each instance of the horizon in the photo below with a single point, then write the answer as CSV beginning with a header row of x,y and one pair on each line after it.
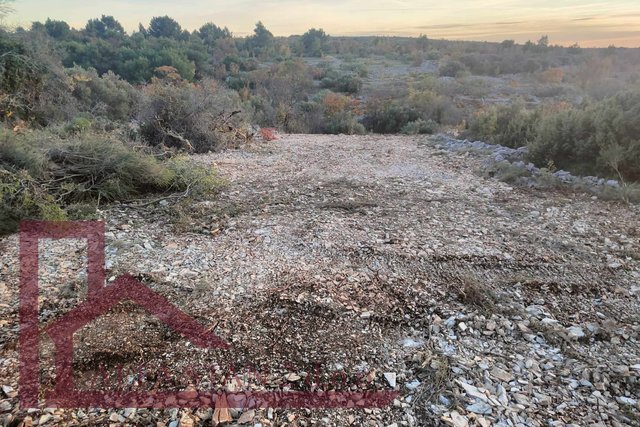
x,y
589,23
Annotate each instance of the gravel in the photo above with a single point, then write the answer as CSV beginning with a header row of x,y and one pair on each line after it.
x,y
482,304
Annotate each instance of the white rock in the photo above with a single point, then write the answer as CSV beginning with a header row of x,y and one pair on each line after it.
x,y
413,385
128,412
481,408
456,420
536,310
626,400
293,377
575,332
411,343
8,391
116,418
45,418
472,391
391,378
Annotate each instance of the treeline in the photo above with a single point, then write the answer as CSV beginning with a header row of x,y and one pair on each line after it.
x,y
212,51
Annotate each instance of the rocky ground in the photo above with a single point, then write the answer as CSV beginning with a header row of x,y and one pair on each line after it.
x,y
371,257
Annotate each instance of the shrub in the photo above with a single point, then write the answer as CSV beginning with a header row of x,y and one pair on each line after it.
x,y
357,68
596,139
345,83
18,155
196,181
431,106
191,117
419,127
308,117
41,174
313,42
22,197
452,69
107,96
388,117
77,125
479,64
512,126
344,122
95,167
339,114
278,90
33,86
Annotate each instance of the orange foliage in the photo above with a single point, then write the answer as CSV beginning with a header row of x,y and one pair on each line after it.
x,y
552,75
167,72
268,134
334,103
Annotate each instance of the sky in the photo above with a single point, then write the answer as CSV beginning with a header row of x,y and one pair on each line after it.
x,y
590,23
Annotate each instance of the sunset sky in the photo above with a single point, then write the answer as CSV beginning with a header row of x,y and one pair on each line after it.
x,y
587,22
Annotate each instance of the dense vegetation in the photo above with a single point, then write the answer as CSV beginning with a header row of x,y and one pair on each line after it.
x,y
599,137
96,114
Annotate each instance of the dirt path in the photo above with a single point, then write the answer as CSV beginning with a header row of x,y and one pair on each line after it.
x,y
369,255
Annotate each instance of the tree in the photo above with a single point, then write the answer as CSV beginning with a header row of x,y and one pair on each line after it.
x,y
261,40
313,42
210,33
142,30
57,29
543,42
507,44
422,42
164,26
105,27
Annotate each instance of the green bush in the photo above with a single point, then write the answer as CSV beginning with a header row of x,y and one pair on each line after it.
x,y
512,126
18,155
33,86
602,138
345,83
598,138
360,69
107,96
95,167
344,122
388,117
197,181
191,117
77,125
22,197
419,127
42,175
278,92
452,69
431,106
